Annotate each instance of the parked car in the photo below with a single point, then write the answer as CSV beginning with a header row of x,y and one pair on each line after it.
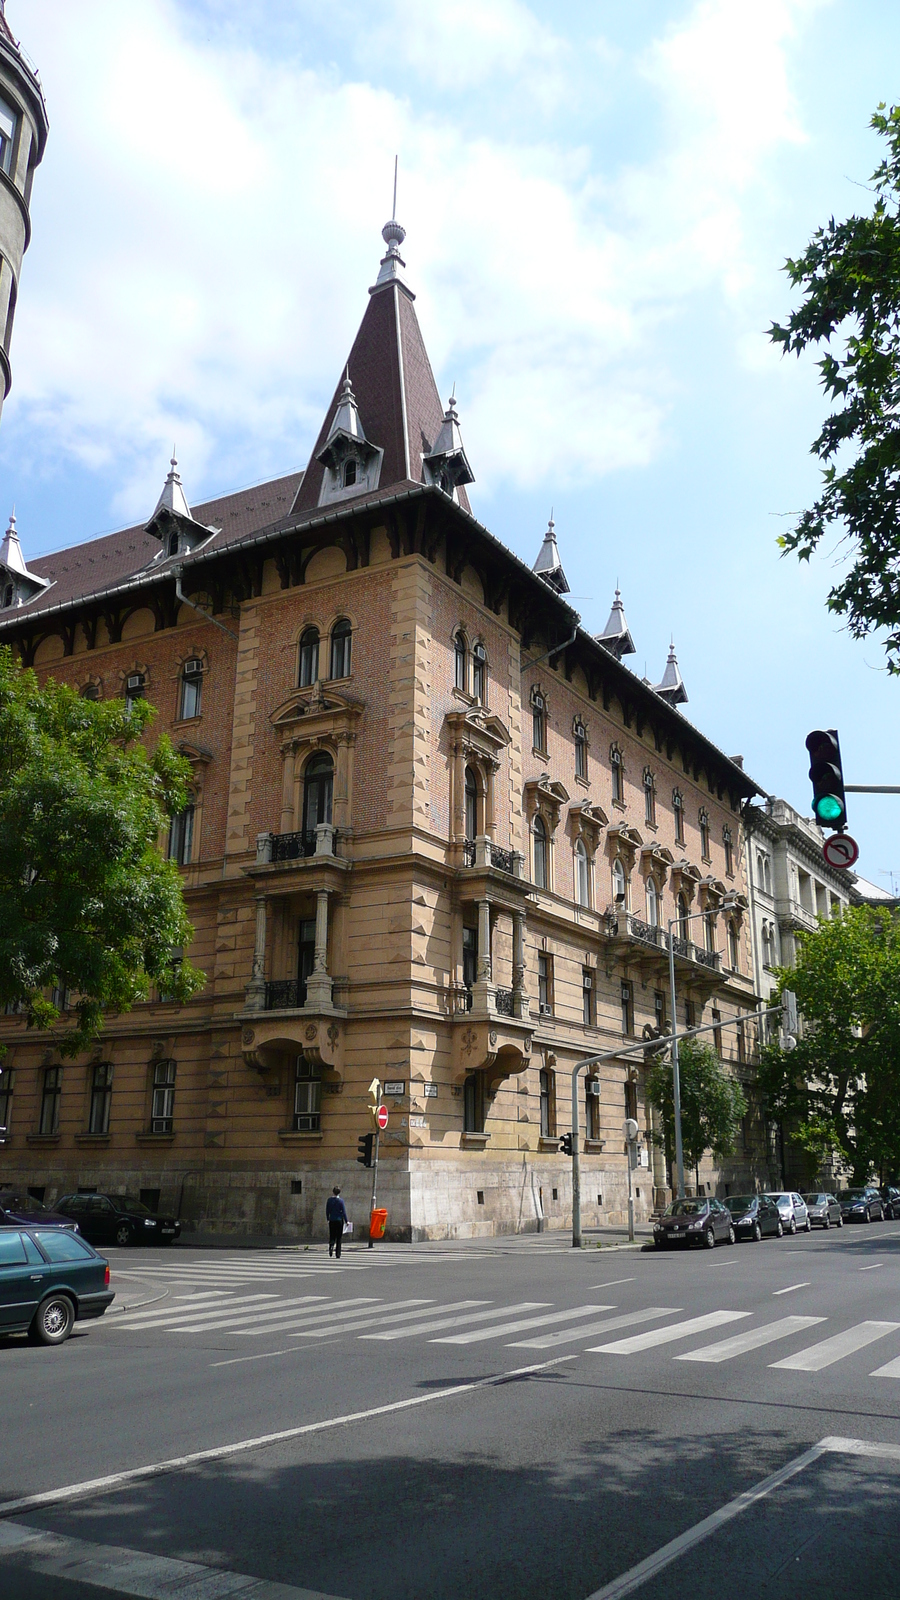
x,y
791,1209
891,1198
18,1210
49,1279
117,1219
753,1215
824,1210
700,1221
861,1205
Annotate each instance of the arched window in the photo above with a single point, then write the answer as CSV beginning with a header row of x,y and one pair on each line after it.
x,y
471,804
732,947
349,473
652,903
678,813
9,591
683,917
538,721
649,796
309,657
581,748
191,686
541,853
91,691
729,851
479,673
135,686
619,883
615,771
704,834
318,787
173,543
341,635
582,875
460,662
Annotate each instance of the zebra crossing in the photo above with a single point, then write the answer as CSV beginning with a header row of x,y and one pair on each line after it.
x,y
226,1271
298,1320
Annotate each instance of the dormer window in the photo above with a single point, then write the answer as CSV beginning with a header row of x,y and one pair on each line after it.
x,y
9,594
352,464
349,473
173,544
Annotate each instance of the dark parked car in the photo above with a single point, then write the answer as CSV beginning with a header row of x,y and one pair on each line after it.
x,y
824,1210
700,1221
891,1198
20,1210
792,1210
753,1215
117,1219
49,1279
861,1205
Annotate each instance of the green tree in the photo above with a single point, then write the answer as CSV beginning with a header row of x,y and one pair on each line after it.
x,y
849,275
840,1088
712,1104
87,901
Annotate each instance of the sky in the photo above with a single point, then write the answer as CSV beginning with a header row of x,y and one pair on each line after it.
x,y
598,200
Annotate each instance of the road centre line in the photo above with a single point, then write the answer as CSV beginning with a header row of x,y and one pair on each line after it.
x,y
265,1355
115,1480
752,1339
546,1341
791,1287
817,1356
372,1318
873,1268
519,1327
676,1330
611,1285
455,1322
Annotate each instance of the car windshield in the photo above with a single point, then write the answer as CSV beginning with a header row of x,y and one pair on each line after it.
x,y
739,1203
815,1199
21,1202
685,1208
852,1194
136,1208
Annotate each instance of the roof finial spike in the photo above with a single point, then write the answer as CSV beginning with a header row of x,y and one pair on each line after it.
x,y
394,211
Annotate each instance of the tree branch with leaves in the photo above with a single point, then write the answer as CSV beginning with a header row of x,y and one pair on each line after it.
x,y
712,1104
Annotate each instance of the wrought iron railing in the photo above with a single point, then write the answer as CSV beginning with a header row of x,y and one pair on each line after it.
x,y
502,859
285,994
469,853
504,1002
647,932
682,947
706,958
291,846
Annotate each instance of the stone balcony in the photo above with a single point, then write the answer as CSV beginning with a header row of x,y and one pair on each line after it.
x,y
631,938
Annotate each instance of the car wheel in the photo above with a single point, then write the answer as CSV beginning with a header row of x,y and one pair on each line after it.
x,y
732,1236
53,1320
709,1239
826,1221
757,1232
124,1233
840,1222
793,1226
779,1229
868,1215
808,1228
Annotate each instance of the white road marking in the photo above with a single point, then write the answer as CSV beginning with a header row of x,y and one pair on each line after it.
x,y
456,1322
612,1283
890,1370
155,1319
843,1344
873,1268
134,1572
676,1330
752,1339
114,1480
791,1287
546,1341
269,1314
519,1327
266,1355
375,1318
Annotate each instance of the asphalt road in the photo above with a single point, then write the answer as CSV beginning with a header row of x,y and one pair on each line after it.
x,y
509,1421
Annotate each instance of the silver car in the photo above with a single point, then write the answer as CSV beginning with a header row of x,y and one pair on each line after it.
x,y
791,1209
823,1210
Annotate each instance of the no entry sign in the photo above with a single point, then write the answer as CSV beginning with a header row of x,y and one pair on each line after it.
x,y
381,1117
840,850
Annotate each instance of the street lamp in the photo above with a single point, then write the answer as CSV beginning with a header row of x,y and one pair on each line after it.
x,y
728,903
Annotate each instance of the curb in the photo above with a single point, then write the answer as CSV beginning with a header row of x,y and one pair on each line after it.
x,y
135,1305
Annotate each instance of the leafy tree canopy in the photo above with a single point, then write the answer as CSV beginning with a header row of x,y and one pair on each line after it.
x,y
87,901
712,1104
849,275
840,1088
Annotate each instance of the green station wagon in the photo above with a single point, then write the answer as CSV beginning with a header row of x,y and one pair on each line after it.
x,y
49,1279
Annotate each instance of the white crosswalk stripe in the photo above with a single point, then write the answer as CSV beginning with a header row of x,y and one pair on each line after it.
x,y
750,1339
455,1322
286,1313
546,1341
676,1330
518,1327
152,1319
377,1317
818,1356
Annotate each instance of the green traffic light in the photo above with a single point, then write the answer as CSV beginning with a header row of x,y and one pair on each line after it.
x,y
829,808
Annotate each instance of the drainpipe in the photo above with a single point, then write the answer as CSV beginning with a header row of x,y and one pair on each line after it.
x,y
206,615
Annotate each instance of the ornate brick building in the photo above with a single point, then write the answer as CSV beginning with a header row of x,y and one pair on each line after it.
x,y
437,833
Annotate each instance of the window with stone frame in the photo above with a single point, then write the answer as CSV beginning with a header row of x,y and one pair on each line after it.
x,y
579,734
191,689
546,1099
9,122
309,658
51,1092
341,642
733,947
460,661
678,814
684,915
135,689
616,775
728,842
716,1018
538,721
592,1108
620,884
582,874
545,983
659,1009
627,1003
704,833
649,785
473,1103
101,1097
7,1084
540,839
307,1097
479,673
181,836
587,997
472,807
162,1103
653,899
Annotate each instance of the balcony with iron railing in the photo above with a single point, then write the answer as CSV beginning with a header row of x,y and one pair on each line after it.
x,y
624,928
303,845
483,853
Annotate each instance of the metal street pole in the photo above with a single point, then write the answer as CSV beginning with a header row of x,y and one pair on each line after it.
x,y
676,1076
374,1168
576,1161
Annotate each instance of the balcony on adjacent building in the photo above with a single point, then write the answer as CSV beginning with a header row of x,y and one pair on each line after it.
x,y
649,941
483,853
304,845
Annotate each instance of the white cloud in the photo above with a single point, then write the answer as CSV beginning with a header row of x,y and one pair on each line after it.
x,y
206,223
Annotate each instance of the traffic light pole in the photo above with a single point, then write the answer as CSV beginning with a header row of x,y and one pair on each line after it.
x,y
374,1170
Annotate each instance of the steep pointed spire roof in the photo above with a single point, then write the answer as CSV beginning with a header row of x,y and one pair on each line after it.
x,y
672,686
396,398
173,497
17,579
616,636
11,556
548,564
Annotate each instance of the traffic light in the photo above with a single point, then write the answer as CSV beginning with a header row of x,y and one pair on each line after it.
x,y
565,1144
364,1145
829,805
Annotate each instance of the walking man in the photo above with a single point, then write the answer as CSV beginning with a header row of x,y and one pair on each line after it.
x,y
336,1214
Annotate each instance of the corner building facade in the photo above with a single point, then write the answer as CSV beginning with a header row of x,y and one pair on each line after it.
x,y
437,833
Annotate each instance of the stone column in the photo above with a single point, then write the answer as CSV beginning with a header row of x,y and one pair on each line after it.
x,y
256,988
521,1004
318,984
287,791
484,941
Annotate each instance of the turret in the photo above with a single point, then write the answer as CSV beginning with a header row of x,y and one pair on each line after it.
x,y
23,136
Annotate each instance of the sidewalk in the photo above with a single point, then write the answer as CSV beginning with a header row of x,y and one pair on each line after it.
x,y
553,1239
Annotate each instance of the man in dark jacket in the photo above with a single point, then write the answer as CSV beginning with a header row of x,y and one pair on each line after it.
x,y
336,1214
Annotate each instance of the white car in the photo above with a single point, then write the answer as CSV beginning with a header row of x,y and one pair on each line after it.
x,y
792,1209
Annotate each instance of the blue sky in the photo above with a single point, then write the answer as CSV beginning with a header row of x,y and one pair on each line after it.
x,y
598,201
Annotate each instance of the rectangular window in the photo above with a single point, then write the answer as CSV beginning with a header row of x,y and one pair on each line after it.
x,y
659,1009
470,956
306,955
473,1103
741,1042
101,1095
690,1014
592,1108
716,1016
545,984
191,687
307,1098
729,854
587,997
59,997
162,1108
150,1198
631,1100
134,689
546,1085
8,121
538,724
678,807
181,836
50,1097
7,1079
627,1008
616,776
581,761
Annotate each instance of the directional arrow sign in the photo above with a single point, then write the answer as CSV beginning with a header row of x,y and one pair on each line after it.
x,y
840,850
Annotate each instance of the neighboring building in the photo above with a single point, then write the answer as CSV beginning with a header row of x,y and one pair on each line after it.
x,y
23,135
790,886
437,831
